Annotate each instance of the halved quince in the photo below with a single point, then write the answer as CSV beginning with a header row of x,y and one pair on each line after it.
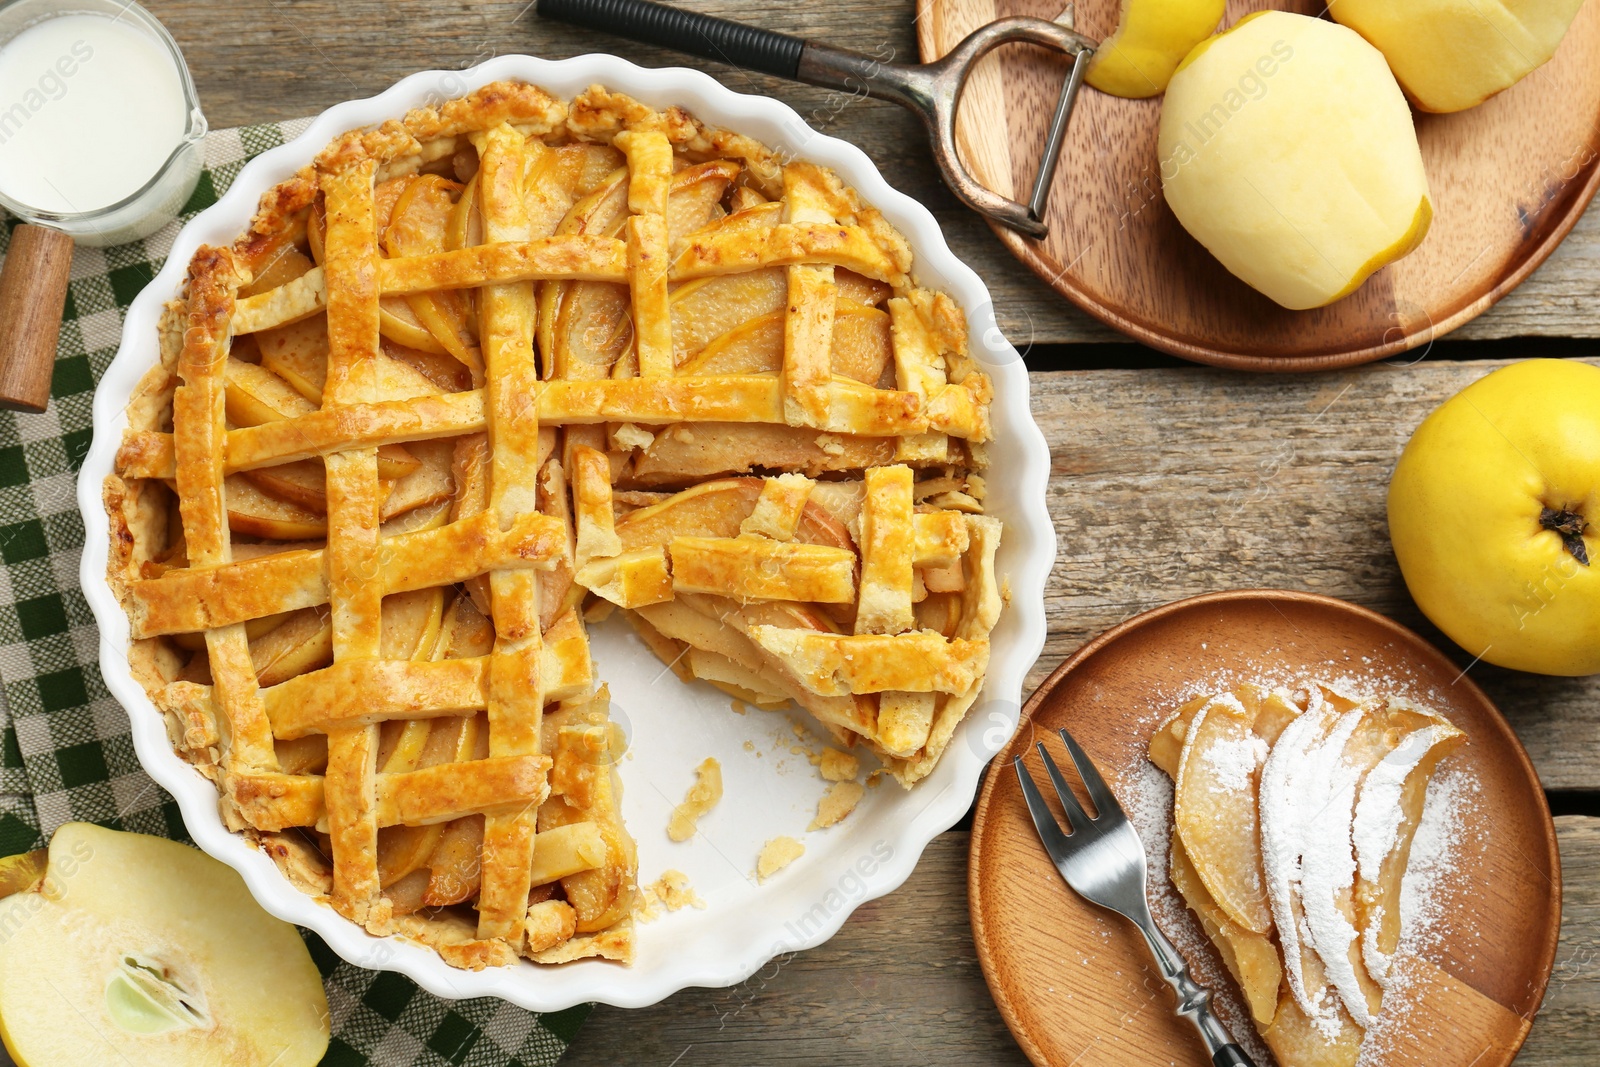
x,y
1151,39
1450,55
1287,150
22,871
140,951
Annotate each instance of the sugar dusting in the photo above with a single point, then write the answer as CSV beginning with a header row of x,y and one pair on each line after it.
x,y
1435,851
1233,763
1146,793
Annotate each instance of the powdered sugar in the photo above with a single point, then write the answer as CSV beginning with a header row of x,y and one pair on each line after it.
x,y
1285,785
1434,855
1233,763
1328,869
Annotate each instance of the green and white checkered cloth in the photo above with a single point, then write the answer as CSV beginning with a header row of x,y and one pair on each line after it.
x,y
65,753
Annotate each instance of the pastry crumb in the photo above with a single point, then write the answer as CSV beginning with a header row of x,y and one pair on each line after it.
x,y
700,799
837,766
840,800
671,891
738,706
776,855
627,435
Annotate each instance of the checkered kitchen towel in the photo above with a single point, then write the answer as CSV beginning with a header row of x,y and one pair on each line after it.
x,y
65,752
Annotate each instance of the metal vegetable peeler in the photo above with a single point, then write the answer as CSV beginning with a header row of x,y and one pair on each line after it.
x,y
932,90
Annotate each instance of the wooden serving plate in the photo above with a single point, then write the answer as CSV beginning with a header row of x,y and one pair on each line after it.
x,y
1508,178
1070,978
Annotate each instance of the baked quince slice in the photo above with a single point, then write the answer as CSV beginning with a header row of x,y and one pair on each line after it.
x,y
862,347
1166,744
1215,809
1251,957
143,952
718,509
1298,1040
1387,814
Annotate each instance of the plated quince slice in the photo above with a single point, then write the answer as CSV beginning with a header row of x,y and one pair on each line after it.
x,y
1151,39
1297,1039
1327,789
1387,814
140,951
1166,744
1251,957
1215,810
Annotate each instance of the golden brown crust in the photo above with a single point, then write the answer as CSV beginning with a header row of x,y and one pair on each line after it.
x,y
341,525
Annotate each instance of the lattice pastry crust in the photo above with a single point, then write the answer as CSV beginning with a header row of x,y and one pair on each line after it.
x,y
477,373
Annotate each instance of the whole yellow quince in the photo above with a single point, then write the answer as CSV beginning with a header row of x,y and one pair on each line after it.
x,y
1494,511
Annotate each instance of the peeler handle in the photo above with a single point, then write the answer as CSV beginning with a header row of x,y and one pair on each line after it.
x,y
705,36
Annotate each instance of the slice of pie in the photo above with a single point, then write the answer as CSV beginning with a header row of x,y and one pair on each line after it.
x,y
1293,819
476,376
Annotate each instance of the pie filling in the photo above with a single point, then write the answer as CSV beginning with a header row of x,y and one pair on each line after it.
x,y
481,375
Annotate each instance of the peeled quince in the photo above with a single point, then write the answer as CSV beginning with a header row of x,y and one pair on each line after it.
x,y
1450,55
134,950
1151,39
1287,150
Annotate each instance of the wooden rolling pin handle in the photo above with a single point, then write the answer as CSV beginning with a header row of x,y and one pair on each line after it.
x,y
33,292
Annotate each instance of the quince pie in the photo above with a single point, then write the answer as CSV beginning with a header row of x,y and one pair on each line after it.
x,y
475,376
1294,816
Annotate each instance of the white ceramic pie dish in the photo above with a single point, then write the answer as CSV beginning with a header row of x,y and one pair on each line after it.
x,y
770,790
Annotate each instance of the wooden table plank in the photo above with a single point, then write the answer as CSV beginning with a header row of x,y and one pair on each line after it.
x,y
900,984
272,59
1166,484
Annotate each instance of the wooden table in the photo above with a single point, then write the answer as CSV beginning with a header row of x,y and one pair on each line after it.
x,y
1168,480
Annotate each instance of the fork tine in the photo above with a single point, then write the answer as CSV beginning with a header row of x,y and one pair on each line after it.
x,y
1105,801
1077,818
1055,842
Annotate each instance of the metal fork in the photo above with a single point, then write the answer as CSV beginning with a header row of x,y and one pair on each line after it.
x,y
1103,860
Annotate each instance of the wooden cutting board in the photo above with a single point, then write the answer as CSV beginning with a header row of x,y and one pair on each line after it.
x,y
1508,179
1076,984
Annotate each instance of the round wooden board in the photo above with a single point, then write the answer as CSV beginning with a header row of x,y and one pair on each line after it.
x,y
1508,179
1070,978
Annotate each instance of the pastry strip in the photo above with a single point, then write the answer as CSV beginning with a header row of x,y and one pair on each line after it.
x,y
354,592
514,697
198,410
